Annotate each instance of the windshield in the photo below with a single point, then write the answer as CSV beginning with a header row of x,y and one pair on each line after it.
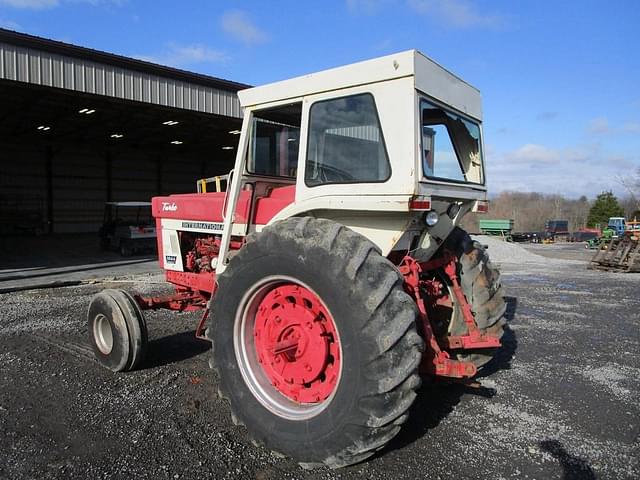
x,y
451,147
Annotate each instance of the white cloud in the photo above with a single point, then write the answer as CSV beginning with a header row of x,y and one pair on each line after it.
x,y
9,24
599,125
574,171
30,4
237,24
533,153
184,55
457,13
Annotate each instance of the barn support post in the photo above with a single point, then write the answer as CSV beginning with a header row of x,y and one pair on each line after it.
x,y
108,174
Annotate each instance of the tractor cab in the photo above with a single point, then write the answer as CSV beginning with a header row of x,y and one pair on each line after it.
x,y
390,147
617,224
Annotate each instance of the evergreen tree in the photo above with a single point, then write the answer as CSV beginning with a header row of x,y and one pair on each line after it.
x,y
605,206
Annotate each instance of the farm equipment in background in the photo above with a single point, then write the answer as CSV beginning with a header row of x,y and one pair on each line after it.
x,y
621,252
501,227
585,235
601,241
617,225
128,228
331,272
556,230
523,237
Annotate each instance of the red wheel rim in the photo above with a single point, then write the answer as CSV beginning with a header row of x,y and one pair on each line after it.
x,y
297,344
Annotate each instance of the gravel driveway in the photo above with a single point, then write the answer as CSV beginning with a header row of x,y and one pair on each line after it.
x,y
560,401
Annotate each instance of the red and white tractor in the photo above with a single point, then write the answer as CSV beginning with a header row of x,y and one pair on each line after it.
x,y
331,273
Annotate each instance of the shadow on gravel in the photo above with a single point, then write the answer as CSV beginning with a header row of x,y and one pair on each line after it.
x,y
174,348
573,468
437,399
502,358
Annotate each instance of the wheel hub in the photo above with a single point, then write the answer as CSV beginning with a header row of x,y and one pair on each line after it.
x,y
297,344
102,334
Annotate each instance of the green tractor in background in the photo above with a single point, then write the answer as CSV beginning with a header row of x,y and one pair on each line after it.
x,y
602,241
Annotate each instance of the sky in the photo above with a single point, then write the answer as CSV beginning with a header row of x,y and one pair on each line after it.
x,y
560,80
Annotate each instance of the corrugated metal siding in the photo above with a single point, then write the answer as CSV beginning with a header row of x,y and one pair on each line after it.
x,y
364,132
44,68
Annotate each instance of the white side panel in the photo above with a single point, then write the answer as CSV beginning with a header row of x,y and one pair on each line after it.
x,y
171,250
383,230
429,77
361,73
360,203
436,82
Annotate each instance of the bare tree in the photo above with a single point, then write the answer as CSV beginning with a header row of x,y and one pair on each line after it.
x,y
632,186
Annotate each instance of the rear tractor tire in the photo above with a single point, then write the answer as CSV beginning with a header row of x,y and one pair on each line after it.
x,y
117,330
315,342
480,281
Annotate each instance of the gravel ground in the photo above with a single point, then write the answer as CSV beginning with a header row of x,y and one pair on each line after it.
x,y
559,401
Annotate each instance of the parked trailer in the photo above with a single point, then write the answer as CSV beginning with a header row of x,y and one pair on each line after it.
x,y
557,229
500,227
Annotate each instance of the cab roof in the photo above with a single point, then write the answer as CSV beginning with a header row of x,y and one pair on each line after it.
x,y
429,77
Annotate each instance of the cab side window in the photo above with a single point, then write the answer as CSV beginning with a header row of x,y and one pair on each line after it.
x,y
275,141
345,142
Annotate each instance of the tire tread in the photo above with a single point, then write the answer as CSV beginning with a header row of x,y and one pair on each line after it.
x,y
394,346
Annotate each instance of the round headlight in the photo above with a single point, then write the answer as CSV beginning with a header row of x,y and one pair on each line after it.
x,y
453,210
431,218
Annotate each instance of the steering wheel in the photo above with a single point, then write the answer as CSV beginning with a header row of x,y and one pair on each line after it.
x,y
331,174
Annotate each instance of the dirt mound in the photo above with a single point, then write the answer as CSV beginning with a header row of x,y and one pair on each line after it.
x,y
505,252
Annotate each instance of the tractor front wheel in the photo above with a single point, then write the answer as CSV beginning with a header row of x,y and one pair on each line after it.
x,y
117,330
315,342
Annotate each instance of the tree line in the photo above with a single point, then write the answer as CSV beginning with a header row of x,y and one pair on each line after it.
x,y
531,210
